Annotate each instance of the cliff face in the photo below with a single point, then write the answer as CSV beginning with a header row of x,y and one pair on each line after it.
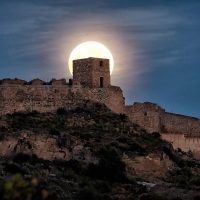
x,y
46,146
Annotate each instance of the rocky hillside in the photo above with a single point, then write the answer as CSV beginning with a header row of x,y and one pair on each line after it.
x,y
91,153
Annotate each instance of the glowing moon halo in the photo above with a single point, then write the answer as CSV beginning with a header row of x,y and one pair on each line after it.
x,y
90,49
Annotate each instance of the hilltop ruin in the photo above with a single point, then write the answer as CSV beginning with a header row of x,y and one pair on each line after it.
x,y
91,81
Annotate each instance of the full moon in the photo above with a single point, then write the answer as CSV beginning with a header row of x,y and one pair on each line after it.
x,y
90,49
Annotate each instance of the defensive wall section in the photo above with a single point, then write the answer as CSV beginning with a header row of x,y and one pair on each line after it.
x,y
18,95
153,118
147,115
91,81
182,131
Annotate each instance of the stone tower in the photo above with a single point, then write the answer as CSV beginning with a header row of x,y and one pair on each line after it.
x,y
92,72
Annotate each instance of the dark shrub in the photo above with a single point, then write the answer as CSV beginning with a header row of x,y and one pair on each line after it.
x,y
13,168
197,183
54,132
2,136
122,116
3,129
102,186
197,197
156,134
152,197
61,111
122,140
110,166
168,152
16,188
136,147
141,190
61,142
90,193
34,113
21,157
34,159
29,145
86,136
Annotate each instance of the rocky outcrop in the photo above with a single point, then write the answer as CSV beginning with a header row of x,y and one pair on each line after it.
x,y
149,167
46,146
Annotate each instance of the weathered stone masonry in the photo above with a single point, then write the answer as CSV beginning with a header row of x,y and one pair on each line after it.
x,y
91,81
44,98
92,72
182,131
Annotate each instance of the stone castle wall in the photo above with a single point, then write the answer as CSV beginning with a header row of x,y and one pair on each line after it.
x,y
174,123
48,98
182,131
147,115
153,118
184,143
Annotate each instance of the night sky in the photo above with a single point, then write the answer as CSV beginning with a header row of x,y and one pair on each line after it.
x,y
155,45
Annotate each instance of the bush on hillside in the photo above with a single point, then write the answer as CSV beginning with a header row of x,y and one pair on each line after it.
x,y
18,189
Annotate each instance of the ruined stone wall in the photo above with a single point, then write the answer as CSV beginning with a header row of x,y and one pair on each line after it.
x,y
147,115
111,96
182,131
180,124
48,98
153,118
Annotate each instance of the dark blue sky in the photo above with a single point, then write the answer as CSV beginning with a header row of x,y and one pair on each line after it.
x,y
155,44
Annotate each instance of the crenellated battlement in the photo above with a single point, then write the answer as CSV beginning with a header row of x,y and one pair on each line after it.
x,y
34,82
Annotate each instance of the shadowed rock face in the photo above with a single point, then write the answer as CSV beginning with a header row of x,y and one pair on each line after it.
x,y
46,146
148,167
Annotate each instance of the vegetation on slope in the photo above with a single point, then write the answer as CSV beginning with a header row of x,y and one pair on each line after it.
x,y
108,136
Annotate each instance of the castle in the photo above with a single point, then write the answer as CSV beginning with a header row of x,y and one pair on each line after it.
x,y
91,81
